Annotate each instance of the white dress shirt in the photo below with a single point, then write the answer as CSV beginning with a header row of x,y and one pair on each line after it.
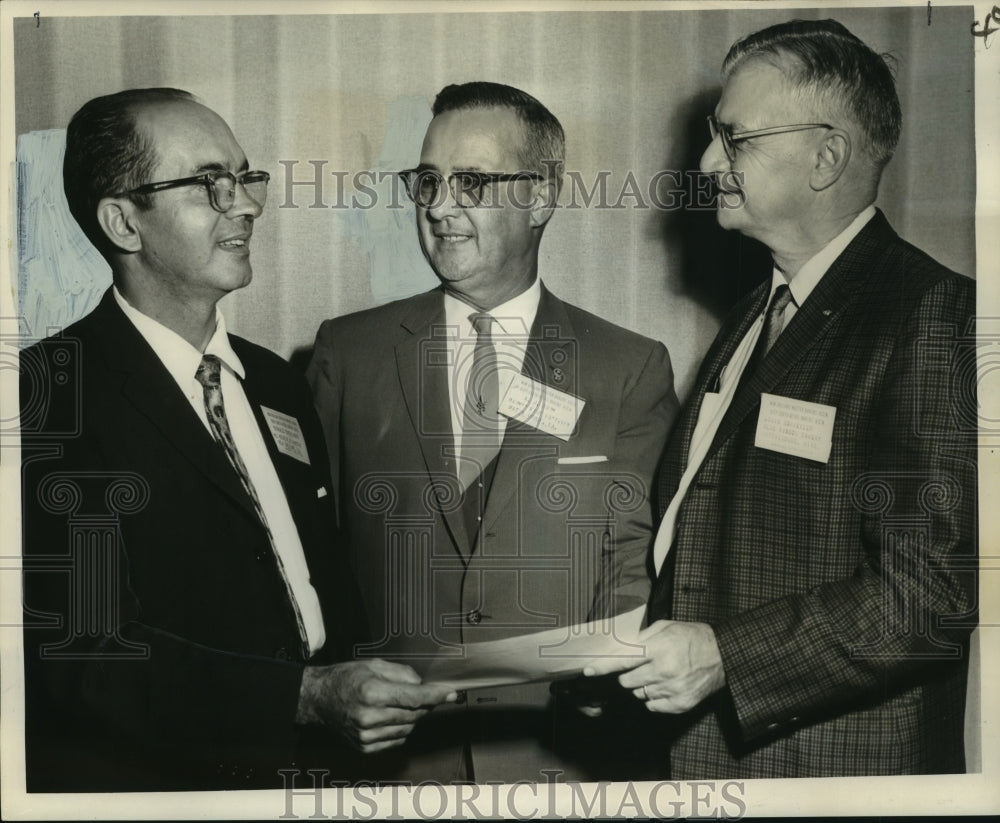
x,y
510,335
182,359
715,403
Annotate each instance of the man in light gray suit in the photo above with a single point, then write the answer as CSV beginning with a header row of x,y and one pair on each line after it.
x,y
474,512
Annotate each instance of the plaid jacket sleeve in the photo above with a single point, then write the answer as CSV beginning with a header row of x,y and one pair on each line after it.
x,y
910,597
842,593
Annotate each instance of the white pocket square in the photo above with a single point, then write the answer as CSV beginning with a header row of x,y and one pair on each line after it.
x,y
576,461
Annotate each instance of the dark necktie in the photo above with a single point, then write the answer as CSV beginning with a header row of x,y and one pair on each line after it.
x,y
209,375
774,321
480,415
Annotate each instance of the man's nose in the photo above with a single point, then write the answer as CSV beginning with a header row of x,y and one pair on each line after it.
x,y
244,204
444,203
713,159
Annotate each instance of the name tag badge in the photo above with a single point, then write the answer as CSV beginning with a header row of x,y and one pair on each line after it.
x,y
541,407
795,427
287,434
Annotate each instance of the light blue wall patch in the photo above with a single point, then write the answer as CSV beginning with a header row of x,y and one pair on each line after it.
x,y
60,275
388,230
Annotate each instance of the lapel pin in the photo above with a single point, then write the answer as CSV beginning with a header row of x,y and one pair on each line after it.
x,y
827,312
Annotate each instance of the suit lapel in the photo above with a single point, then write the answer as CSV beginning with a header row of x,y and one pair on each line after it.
x,y
550,358
421,359
154,393
295,476
832,296
721,352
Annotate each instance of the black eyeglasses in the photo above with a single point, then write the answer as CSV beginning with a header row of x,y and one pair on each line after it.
x,y
424,185
221,187
730,139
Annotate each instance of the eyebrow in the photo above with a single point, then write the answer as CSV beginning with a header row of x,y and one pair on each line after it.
x,y
736,127
214,166
429,167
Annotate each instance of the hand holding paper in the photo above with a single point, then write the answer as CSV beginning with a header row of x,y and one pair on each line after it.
x,y
682,666
372,703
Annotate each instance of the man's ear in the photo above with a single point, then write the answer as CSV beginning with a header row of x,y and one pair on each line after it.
x,y
544,202
116,216
831,160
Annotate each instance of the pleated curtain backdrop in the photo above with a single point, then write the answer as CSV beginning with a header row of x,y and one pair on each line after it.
x,y
350,95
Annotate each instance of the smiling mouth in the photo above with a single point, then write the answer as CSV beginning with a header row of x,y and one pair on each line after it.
x,y
235,243
452,238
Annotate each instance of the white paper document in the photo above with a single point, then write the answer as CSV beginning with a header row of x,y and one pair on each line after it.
x,y
548,655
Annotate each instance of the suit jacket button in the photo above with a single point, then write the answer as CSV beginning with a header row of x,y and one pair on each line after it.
x,y
474,617
771,727
281,654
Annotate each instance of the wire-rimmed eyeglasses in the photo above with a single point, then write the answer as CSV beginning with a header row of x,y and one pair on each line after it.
x,y
730,138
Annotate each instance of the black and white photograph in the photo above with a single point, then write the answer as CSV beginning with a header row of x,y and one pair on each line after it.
x,y
499,410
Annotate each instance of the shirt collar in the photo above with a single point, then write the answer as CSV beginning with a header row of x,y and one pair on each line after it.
x,y
179,357
513,318
816,266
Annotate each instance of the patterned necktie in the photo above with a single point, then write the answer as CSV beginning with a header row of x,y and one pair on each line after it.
x,y
774,321
209,374
480,416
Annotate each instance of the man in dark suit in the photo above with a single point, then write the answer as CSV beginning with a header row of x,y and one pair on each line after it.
x,y
473,511
185,601
817,551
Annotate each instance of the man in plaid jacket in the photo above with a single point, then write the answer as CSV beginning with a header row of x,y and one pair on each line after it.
x,y
816,557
